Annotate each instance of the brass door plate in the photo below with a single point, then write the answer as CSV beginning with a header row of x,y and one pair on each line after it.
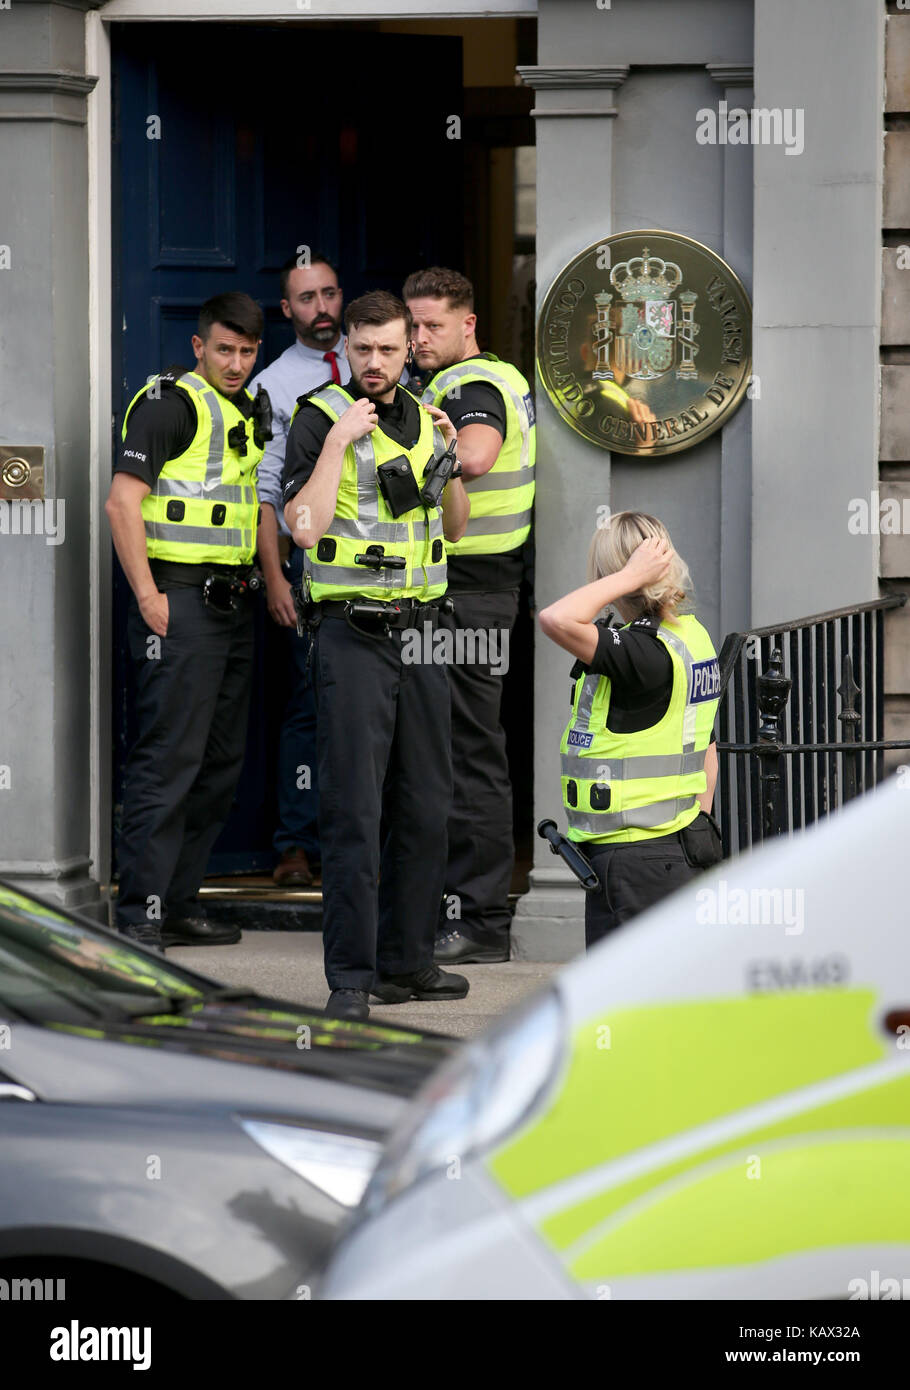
x,y
21,471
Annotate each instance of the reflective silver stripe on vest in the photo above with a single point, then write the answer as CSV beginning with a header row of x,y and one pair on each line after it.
x,y
213,488
497,525
361,528
213,536
586,702
180,487
635,818
607,769
357,577
334,397
364,458
500,482
352,528
452,375
436,574
690,713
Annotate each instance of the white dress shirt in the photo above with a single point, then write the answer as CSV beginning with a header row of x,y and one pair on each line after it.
x,y
299,369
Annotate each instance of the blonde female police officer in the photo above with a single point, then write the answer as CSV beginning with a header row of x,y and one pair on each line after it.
x,y
638,759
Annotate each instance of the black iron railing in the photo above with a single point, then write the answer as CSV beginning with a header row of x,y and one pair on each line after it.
x,y
825,675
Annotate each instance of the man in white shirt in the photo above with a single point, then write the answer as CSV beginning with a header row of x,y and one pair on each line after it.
x,y
312,299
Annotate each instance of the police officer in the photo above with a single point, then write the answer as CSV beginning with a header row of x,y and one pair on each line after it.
x,y
638,759
375,568
490,404
183,513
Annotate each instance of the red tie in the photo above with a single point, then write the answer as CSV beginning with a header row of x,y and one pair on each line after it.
x,y
333,358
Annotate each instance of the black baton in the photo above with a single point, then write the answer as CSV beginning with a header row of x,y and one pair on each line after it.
x,y
570,854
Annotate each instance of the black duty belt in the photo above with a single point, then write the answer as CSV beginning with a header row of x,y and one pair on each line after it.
x,y
194,576
400,613
225,588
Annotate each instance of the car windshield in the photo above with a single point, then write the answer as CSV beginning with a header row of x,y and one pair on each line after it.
x,y
55,968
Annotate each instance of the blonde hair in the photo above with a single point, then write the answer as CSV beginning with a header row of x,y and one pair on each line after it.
x,y
612,545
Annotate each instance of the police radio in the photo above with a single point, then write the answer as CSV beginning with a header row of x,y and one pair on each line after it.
x,y
437,474
262,417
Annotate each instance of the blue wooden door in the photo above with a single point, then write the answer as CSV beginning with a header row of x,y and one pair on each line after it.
x,y
233,146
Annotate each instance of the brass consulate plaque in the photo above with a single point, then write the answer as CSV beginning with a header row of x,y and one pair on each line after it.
x,y
644,342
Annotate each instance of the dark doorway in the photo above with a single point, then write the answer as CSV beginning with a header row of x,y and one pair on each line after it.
x,y
233,147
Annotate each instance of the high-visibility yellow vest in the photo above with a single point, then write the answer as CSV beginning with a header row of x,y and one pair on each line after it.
x,y
501,499
362,518
622,787
203,507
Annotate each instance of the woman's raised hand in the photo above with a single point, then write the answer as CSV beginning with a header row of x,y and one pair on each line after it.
x,y
648,563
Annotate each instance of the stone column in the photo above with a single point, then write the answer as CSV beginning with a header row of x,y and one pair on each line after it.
x,y
735,79
45,732
574,111
817,241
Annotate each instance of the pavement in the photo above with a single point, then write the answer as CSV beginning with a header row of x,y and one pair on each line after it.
x,y
289,965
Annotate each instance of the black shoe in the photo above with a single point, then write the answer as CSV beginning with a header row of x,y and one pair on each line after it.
x,y
144,934
348,1003
429,983
198,931
455,947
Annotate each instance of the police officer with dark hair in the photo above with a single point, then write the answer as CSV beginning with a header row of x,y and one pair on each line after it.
x,y
183,514
366,501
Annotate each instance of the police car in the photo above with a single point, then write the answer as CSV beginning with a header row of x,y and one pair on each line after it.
x,y
714,1103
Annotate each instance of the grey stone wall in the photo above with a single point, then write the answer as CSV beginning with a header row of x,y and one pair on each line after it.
x,y
617,92
816,306
44,400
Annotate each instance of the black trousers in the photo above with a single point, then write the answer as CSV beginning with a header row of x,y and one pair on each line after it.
x,y
633,877
481,843
192,702
385,786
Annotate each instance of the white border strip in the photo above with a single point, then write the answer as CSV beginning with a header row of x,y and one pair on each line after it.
x,y
98,63
314,9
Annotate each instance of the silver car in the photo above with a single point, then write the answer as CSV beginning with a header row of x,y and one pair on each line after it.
x,y
163,1136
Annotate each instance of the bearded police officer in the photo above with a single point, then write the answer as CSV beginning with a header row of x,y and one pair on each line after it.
x,y
183,512
366,502
490,404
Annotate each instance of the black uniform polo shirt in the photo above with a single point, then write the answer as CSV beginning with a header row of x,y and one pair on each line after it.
x,y
163,427
400,420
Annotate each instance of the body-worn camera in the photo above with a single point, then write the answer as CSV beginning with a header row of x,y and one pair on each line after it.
x,y
398,485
